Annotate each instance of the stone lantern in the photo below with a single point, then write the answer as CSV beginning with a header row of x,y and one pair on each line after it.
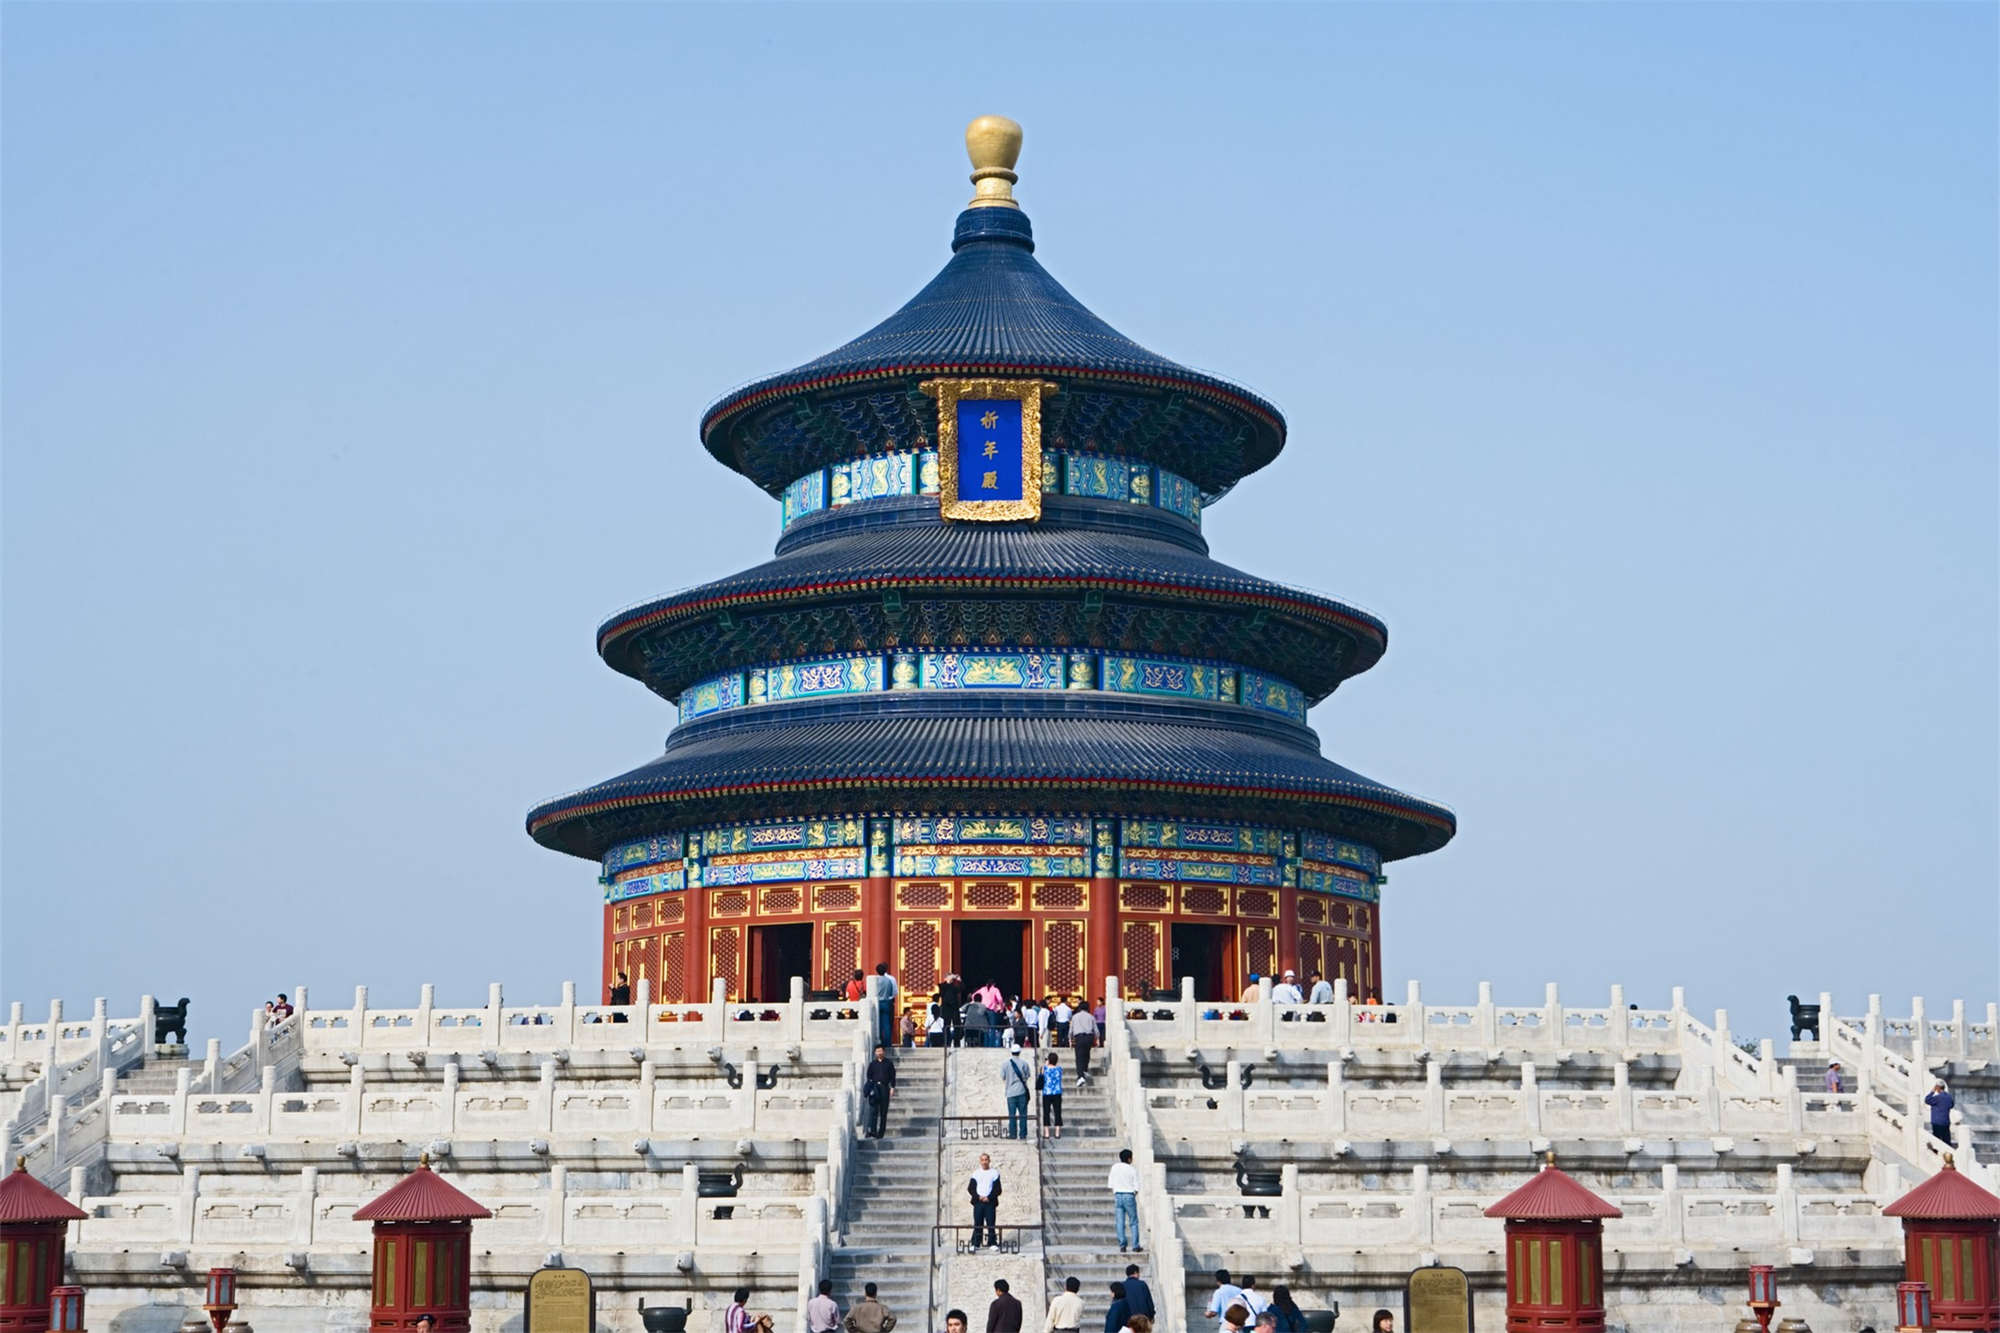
x,y
1951,1244
423,1253
1555,1254
34,1222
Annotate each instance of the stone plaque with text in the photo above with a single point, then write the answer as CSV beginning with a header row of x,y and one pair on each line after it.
x,y
1437,1300
560,1301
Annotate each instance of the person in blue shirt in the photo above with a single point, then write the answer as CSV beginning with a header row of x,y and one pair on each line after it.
x,y
1940,1103
1052,1093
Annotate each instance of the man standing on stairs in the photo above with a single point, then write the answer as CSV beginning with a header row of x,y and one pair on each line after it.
x,y
1066,1310
1014,1081
984,1190
1124,1183
1004,1315
1138,1296
878,1086
1083,1035
885,998
822,1312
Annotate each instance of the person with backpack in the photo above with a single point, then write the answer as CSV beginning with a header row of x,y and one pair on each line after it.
x,y
1016,1078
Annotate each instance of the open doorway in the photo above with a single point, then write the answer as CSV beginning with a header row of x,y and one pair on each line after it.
x,y
1206,954
994,951
777,954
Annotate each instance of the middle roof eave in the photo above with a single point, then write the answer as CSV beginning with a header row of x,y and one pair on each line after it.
x,y
1032,560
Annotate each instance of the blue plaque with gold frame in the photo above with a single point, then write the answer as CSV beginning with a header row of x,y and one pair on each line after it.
x,y
989,448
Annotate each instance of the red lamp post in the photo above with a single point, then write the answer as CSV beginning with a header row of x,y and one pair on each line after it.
x,y
423,1253
34,1223
1764,1300
1555,1254
1951,1248
66,1310
221,1302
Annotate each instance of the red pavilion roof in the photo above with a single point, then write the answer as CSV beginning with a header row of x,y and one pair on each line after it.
x,y
25,1199
1552,1196
421,1196
1947,1196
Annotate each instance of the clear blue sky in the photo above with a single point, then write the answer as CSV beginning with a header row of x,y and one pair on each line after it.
x,y
1640,365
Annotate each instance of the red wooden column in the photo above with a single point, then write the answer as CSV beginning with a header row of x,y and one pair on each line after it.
x,y
34,1223
1951,1242
1555,1254
423,1253
878,944
1104,956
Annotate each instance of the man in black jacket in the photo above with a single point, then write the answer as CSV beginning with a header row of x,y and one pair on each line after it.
x,y
984,1191
1004,1315
951,1003
878,1086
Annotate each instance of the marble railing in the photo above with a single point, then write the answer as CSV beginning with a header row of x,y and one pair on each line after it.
x,y
1954,1038
1486,1110
431,1028
1892,1087
1130,1105
1412,1025
800,1106
66,1058
302,1216
1669,1219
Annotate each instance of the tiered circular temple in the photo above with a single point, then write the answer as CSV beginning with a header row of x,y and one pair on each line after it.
x,y
991,708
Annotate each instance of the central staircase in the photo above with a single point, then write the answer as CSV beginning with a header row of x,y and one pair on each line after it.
x,y
1079,1237
892,1197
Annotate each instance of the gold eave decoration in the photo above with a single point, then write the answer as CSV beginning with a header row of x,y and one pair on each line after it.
x,y
961,480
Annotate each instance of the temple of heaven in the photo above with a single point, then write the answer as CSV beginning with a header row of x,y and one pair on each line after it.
x,y
991,708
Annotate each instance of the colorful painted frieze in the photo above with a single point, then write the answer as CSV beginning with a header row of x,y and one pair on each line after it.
x,y
782,867
643,885
1324,847
1097,476
1140,487
1338,879
927,472
1163,864
991,671
834,675
798,833
925,863
643,852
714,696
935,831
1271,695
1176,493
875,478
805,496
1156,675
1219,837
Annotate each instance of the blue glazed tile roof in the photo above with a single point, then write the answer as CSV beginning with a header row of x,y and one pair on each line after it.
x,y
1046,558
993,309
1061,753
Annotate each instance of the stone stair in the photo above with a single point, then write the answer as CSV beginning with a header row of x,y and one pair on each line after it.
x,y
892,1197
157,1074
1079,1237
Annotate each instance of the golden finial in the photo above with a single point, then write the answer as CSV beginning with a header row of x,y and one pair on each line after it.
x,y
21,1162
994,145
1549,1160
1949,1165
423,1161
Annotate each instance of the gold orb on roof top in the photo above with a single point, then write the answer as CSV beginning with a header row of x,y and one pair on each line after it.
x,y
994,145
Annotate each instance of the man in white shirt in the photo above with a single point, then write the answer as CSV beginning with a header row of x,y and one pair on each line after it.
x,y
984,1188
1061,1016
1322,990
1066,1310
1124,1183
1227,1293
1287,990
